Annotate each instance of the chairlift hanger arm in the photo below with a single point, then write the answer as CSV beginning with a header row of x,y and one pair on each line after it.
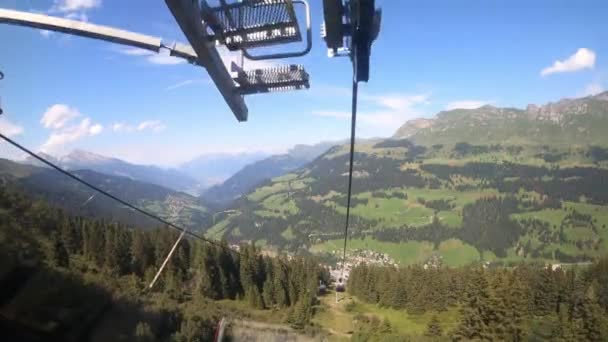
x,y
87,30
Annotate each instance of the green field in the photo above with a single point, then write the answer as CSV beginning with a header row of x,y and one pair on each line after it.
x,y
457,253
407,253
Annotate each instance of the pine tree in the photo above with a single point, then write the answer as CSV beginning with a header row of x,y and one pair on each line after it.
x,y
591,323
208,284
110,251
254,297
123,250
269,293
433,328
301,313
280,280
143,332
58,254
545,293
68,235
476,312
141,252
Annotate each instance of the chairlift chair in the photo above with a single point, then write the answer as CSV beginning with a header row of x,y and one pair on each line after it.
x,y
250,24
340,286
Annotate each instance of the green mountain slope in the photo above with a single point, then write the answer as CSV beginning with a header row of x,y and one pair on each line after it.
x,y
454,194
566,122
78,199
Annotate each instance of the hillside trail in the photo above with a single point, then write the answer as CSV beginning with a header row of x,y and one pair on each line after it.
x,y
334,318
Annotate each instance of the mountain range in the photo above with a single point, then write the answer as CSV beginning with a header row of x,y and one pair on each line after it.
x,y
215,168
83,160
76,198
253,174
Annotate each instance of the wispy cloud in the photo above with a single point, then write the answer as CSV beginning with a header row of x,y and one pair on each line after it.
x,y
466,104
153,125
9,128
148,125
582,59
187,83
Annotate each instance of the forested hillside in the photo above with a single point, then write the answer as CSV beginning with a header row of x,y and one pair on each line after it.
x,y
71,278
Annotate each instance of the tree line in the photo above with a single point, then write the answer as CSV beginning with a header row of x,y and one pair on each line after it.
x,y
525,302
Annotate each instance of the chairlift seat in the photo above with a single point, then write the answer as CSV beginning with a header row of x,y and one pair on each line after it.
x,y
253,23
281,78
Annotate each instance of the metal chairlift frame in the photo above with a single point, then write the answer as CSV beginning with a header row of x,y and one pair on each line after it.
x,y
201,52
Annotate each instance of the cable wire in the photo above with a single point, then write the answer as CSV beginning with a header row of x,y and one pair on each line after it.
x,y
353,122
119,200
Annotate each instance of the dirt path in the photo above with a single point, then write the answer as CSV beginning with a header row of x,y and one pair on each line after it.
x,y
333,316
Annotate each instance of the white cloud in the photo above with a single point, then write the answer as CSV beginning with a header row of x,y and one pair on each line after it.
x,y
70,134
393,110
10,129
152,125
466,104
592,89
582,59
58,115
95,129
118,127
66,6
162,58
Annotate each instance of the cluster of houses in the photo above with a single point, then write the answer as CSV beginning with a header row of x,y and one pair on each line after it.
x,y
356,257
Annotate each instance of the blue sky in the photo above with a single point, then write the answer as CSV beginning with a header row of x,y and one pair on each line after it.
x,y
61,92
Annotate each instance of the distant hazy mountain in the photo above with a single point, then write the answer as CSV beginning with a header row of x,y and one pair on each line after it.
x,y
255,173
83,160
565,122
213,169
78,199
